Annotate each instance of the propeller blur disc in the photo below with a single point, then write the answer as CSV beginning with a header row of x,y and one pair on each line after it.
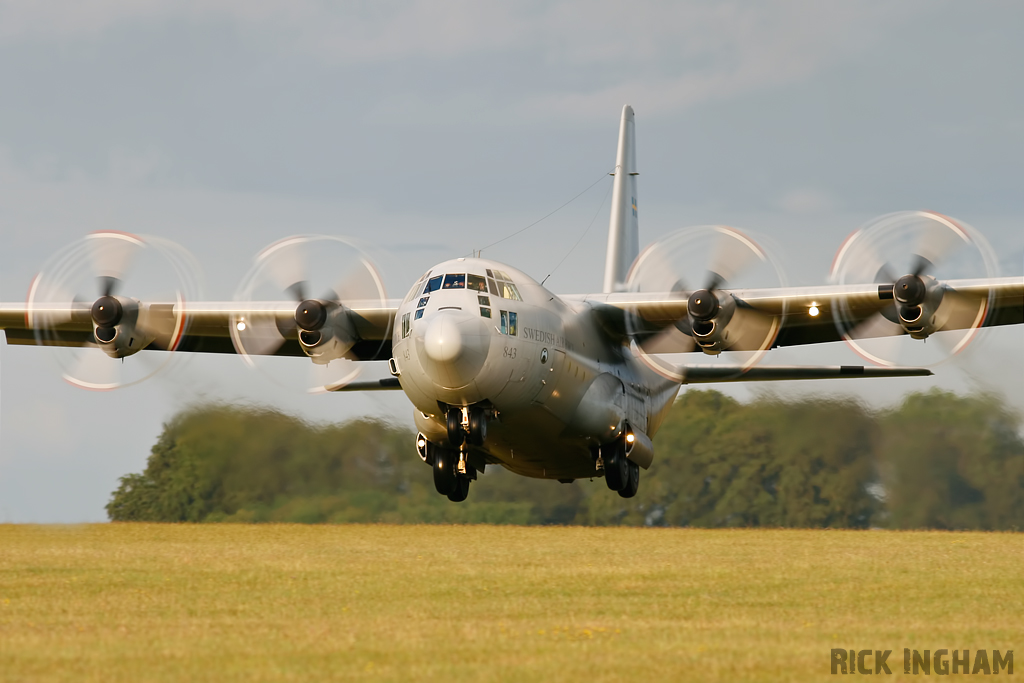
x,y
321,268
158,273
715,259
920,243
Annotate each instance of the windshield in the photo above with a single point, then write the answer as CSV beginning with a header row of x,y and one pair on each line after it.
x,y
433,284
454,281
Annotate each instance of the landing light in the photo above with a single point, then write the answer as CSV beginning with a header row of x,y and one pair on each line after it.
x,y
630,438
240,326
421,443
813,311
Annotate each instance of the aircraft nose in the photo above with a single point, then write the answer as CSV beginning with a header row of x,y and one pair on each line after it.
x,y
454,348
443,339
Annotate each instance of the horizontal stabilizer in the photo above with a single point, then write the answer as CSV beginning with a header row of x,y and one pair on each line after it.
x,y
387,384
700,374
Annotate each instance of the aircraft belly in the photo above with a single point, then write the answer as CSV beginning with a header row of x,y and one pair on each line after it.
x,y
530,443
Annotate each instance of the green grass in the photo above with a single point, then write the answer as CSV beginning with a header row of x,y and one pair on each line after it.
x,y
137,602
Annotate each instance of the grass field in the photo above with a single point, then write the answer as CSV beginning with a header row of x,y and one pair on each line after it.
x,y
137,602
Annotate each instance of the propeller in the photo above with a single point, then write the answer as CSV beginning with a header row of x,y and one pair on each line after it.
x,y
295,296
724,259
108,296
910,255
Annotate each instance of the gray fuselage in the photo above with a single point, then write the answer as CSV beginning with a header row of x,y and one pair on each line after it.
x,y
559,385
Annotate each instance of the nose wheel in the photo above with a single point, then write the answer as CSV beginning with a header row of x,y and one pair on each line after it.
x,y
466,425
448,479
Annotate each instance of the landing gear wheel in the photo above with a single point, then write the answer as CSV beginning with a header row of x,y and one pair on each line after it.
x,y
456,435
445,473
461,490
632,480
616,466
477,427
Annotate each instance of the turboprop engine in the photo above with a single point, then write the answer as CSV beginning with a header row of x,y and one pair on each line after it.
x,y
326,327
98,268
711,320
930,249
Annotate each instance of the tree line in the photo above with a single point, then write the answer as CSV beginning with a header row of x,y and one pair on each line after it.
x,y
938,460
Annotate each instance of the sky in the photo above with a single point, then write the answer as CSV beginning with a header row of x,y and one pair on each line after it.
x,y
426,130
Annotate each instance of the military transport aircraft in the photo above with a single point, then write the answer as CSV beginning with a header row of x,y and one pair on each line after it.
x,y
502,371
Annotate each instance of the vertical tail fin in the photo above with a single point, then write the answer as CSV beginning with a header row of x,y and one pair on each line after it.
x,y
623,229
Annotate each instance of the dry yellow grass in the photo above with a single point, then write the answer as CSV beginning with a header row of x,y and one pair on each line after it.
x,y
139,602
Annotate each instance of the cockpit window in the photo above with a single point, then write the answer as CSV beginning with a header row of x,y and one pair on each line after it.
x,y
502,285
509,291
454,281
476,282
433,284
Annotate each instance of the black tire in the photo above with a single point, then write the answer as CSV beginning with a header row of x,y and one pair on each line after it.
x,y
477,427
456,434
616,466
461,491
632,480
445,473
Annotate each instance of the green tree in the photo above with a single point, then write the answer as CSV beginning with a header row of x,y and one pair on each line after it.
x,y
227,463
953,462
721,463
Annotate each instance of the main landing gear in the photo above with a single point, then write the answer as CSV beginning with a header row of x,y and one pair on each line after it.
x,y
620,473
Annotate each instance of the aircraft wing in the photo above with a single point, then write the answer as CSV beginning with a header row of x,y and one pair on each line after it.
x,y
628,314
207,327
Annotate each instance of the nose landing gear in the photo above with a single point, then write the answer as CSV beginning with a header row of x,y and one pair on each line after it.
x,y
467,423
452,471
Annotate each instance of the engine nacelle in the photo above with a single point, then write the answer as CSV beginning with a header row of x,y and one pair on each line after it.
x,y
709,316
326,332
919,304
115,326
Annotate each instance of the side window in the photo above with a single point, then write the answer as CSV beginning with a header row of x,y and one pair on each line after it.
x,y
491,287
504,322
512,323
485,312
405,325
419,313
413,292
423,301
